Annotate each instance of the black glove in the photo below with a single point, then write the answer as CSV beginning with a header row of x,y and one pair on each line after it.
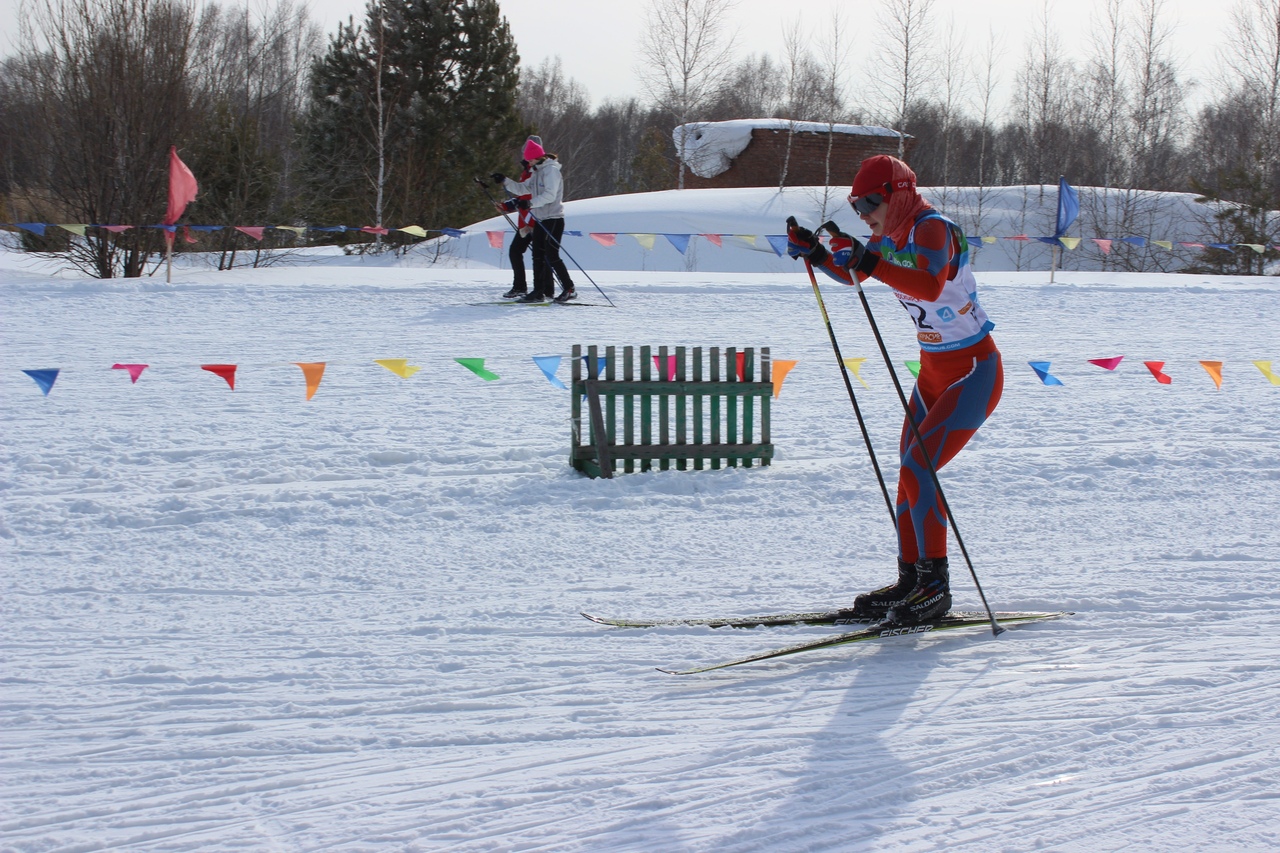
x,y
498,177
522,203
801,243
849,252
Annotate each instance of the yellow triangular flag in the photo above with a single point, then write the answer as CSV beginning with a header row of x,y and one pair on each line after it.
x,y
1214,369
1257,247
1167,245
75,229
415,230
855,365
1265,367
312,370
399,366
1070,242
989,240
294,228
645,240
749,239
780,370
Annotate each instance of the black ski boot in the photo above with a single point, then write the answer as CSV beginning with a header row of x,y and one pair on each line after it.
x,y
930,599
875,604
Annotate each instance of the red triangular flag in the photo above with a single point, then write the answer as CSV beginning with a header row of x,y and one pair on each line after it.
x,y
1107,363
1157,370
182,187
254,231
226,371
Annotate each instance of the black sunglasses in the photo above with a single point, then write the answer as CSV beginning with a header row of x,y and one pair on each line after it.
x,y
863,205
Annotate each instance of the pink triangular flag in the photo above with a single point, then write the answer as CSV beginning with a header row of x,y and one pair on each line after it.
x,y
135,370
254,231
496,238
714,239
115,229
671,367
1104,245
609,240
182,187
1157,370
1107,363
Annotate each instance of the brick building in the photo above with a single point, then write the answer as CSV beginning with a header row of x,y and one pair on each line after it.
x,y
752,152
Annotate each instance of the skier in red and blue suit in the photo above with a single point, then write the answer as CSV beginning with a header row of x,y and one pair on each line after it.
x,y
924,257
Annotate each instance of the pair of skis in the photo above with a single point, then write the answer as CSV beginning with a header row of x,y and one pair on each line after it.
x,y
952,621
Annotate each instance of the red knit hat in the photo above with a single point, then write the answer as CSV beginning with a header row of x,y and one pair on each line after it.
x,y
882,174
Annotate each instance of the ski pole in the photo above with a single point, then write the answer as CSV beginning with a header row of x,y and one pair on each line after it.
x,y
559,246
996,630
853,398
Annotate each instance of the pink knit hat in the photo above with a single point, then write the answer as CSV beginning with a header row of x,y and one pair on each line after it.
x,y
533,149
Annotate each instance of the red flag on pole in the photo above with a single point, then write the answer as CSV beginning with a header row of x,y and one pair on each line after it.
x,y
182,187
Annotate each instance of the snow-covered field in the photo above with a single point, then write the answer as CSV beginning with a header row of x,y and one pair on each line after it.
x,y
244,621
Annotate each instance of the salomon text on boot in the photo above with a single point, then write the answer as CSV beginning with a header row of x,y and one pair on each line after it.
x,y
929,600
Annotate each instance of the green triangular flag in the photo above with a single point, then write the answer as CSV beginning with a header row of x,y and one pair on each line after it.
x,y
914,367
476,366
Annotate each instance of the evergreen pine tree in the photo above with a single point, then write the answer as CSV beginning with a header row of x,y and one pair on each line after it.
x,y
448,75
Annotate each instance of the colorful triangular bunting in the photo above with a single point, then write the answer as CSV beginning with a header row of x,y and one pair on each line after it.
x,y
476,366
399,366
313,371
226,371
135,370
44,378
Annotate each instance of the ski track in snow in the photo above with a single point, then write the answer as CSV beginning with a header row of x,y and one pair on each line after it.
x,y
245,621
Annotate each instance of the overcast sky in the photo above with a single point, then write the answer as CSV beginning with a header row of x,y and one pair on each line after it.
x,y
596,39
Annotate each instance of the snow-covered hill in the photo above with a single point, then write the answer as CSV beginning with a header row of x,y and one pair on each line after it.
x,y
743,220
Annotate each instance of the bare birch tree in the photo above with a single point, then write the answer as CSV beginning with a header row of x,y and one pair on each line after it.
x,y
685,52
904,67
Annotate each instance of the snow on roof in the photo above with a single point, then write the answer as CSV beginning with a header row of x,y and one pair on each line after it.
x,y
711,146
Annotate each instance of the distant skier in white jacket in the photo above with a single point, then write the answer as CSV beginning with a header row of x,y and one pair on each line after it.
x,y
545,188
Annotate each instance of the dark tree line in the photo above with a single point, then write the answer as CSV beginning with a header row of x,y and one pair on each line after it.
x,y
387,122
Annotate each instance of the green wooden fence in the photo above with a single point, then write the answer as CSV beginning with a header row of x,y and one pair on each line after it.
x,y
677,406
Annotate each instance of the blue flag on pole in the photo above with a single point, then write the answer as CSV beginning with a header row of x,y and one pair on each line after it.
x,y
1068,207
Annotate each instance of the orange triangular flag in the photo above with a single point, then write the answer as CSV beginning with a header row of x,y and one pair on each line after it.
x,y
1214,369
313,371
226,371
780,370
1157,370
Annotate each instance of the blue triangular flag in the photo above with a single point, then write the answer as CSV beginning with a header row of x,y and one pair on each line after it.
x,y
33,227
549,364
1136,241
778,242
1042,370
454,232
1068,207
680,241
44,378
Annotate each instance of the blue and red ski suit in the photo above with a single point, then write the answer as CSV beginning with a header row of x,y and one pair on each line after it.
x,y
961,374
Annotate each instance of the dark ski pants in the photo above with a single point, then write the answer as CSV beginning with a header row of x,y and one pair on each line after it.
x,y
546,257
519,245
